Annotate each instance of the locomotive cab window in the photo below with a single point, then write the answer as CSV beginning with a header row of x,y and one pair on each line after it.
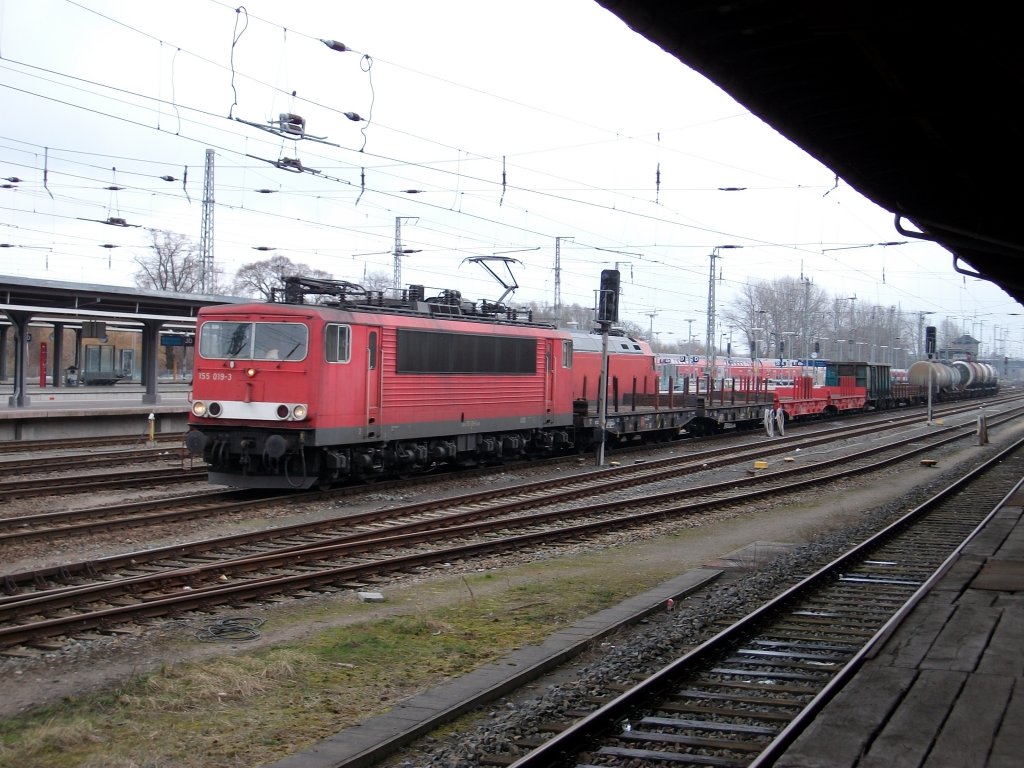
x,y
279,341
225,340
252,341
567,354
337,343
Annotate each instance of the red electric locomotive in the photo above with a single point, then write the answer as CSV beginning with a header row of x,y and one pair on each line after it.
x,y
295,394
292,394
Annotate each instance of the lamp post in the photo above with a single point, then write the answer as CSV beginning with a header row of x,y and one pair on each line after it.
x,y
758,317
788,345
754,356
853,323
652,314
721,345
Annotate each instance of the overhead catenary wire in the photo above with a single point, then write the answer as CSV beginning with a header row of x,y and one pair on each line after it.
x,y
374,181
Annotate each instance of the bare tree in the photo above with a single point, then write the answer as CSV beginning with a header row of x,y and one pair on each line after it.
x,y
173,264
570,315
262,278
376,281
781,317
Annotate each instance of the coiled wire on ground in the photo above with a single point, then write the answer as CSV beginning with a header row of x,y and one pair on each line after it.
x,y
232,629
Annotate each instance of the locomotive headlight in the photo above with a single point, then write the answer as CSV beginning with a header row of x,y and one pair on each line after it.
x,y
299,412
198,408
250,372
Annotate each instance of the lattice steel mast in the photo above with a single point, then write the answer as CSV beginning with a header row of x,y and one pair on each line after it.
x,y
206,229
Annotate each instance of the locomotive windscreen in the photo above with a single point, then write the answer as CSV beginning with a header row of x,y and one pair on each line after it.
x,y
255,341
440,352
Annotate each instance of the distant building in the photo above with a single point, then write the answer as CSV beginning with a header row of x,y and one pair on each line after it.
x,y
962,348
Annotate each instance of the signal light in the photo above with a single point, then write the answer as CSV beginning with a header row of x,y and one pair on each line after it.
x,y
608,298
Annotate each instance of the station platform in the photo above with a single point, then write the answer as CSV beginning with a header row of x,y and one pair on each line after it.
x,y
100,411
944,688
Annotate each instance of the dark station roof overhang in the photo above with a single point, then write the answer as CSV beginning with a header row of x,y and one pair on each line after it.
x,y
912,104
55,301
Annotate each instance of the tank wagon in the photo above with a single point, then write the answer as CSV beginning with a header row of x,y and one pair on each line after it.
x,y
957,376
329,382
862,386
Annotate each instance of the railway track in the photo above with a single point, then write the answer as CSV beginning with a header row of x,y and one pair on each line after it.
x,y
352,549
77,443
13,489
48,486
739,699
16,529
110,517
63,463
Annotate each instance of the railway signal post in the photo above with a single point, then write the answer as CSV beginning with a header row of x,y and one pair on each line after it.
x,y
607,313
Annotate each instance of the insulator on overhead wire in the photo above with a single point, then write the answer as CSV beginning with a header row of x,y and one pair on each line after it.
x,y
353,116
334,45
290,123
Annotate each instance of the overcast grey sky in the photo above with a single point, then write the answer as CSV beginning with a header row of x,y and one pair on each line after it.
x,y
486,128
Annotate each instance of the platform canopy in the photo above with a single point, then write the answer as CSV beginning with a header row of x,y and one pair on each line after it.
x,y
25,302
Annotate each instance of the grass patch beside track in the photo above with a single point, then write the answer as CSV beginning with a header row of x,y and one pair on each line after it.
x,y
248,707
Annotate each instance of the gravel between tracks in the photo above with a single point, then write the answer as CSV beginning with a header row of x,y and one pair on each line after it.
x,y
820,526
